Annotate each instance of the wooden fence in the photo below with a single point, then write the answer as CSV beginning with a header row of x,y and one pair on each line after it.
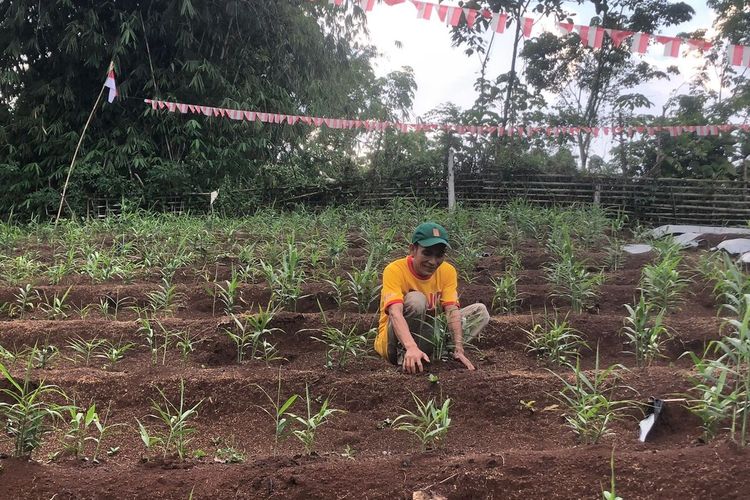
x,y
657,201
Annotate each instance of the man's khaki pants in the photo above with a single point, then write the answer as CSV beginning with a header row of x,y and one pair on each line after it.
x,y
473,319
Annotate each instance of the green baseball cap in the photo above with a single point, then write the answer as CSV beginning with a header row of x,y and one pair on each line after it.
x,y
429,234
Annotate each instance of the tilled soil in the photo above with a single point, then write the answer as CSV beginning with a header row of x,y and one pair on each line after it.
x,y
496,447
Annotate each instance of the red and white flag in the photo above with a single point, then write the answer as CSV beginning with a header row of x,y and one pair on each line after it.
x,y
618,36
471,16
591,36
528,23
564,28
739,55
701,45
111,84
498,22
640,43
450,15
671,45
424,10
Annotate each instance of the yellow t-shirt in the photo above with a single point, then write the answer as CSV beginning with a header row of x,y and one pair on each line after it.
x,y
400,278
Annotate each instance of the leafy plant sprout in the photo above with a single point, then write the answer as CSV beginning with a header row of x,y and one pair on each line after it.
x,y
85,425
555,341
281,422
41,356
252,332
26,412
505,297
339,287
310,423
734,360
286,281
165,298
645,331
24,302
429,423
115,352
590,407
229,296
175,432
57,307
343,343
364,286
661,282
84,349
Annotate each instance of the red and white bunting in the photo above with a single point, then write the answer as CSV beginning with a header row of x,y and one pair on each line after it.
x,y
639,44
618,36
592,36
739,56
564,28
424,10
528,24
499,21
700,45
471,16
450,15
369,125
671,45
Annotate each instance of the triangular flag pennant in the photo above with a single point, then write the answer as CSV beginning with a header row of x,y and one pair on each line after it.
x,y
528,23
161,104
591,36
111,84
292,120
618,36
171,106
454,15
498,22
739,55
564,28
640,43
671,45
424,10
182,107
471,16
250,115
701,45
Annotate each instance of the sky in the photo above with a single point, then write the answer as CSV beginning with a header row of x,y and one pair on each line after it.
x,y
446,74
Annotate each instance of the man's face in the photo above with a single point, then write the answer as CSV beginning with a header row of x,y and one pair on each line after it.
x,y
426,260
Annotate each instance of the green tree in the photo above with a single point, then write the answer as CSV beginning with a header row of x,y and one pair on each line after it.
x,y
294,57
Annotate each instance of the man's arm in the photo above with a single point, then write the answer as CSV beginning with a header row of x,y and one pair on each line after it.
x,y
414,355
454,323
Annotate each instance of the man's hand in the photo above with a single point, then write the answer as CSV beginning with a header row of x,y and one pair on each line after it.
x,y
413,360
459,355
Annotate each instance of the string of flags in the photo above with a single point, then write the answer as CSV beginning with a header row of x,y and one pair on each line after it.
x,y
592,36
489,130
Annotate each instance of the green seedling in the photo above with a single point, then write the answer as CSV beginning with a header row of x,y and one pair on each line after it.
x,y
429,423
555,341
645,331
590,408
83,350
281,423
25,411
175,432
311,422
57,307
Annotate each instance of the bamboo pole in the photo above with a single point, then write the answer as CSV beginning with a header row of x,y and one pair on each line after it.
x,y
78,147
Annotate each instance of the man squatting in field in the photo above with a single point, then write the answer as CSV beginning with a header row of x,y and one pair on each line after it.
x,y
412,286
